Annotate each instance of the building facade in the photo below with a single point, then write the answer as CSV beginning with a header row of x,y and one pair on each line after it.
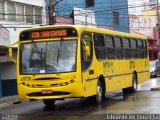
x,y
148,4
15,16
146,24
104,13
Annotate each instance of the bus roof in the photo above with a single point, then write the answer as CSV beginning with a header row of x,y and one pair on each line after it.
x,y
93,29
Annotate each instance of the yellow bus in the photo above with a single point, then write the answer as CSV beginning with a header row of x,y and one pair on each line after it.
x,y
58,62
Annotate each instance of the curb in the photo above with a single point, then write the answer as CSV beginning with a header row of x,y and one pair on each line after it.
x,y
9,100
4,105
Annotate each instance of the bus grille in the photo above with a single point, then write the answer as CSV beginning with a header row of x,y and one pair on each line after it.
x,y
55,93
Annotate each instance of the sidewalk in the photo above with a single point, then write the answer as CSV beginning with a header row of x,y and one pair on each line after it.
x,y
5,101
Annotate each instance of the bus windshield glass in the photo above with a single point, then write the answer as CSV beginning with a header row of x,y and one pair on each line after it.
x,y
48,57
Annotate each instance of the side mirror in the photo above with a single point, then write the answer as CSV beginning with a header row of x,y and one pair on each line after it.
x,y
87,51
11,52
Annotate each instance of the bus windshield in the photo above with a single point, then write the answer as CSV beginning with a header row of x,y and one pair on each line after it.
x,y
48,57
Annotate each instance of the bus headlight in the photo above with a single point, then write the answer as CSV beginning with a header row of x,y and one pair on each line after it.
x,y
72,81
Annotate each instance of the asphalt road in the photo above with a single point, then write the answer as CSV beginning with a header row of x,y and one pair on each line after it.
x,y
144,101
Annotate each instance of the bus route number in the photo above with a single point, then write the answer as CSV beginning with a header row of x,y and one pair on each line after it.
x,y
35,34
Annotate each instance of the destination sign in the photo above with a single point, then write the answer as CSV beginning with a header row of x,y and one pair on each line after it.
x,y
48,33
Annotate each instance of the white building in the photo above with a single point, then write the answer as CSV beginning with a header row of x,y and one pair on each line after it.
x,y
135,6
84,17
15,16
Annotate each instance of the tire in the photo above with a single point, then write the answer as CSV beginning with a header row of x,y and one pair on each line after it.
x,y
132,89
125,90
97,99
99,94
49,102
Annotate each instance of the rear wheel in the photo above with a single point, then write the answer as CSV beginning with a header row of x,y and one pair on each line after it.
x,y
49,102
134,85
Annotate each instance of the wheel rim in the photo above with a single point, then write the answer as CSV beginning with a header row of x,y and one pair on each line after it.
x,y
99,93
135,83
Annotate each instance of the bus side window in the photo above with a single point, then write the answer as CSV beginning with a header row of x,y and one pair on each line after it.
x,y
145,51
109,44
126,47
99,46
119,49
134,48
86,60
140,48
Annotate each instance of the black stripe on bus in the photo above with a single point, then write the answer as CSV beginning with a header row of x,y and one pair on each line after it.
x,y
116,75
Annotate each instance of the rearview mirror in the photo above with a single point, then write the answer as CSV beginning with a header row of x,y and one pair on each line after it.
x,y
86,49
11,52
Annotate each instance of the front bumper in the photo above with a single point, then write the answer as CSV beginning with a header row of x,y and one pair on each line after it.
x,y
67,91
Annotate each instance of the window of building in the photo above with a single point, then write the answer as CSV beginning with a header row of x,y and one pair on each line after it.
x,y
90,3
115,17
152,2
20,12
11,11
29,14
1,10
38,15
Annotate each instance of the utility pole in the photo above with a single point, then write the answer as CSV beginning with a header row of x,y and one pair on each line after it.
x,y
52,18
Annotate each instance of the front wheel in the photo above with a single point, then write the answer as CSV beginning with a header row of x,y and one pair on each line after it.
x,y
99,93
97,99
49,102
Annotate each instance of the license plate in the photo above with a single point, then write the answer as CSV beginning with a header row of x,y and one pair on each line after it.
x,y
44,92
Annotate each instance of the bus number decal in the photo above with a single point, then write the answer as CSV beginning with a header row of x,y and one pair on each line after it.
x,y
132,64
26,78
106,65
112,67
